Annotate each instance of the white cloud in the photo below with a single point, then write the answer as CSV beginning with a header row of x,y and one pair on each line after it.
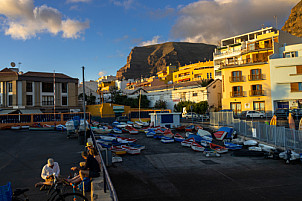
x,y
211,21
155,40
123,3
24,21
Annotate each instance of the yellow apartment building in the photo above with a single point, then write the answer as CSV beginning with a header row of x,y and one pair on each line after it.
x,y
243,62
167,75
105,86
194,72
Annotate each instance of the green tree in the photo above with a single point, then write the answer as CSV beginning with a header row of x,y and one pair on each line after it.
x,y
160,104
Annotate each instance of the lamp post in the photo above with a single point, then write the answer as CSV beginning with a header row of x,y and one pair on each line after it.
x,y
84,106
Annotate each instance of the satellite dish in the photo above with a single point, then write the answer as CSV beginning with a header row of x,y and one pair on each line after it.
x,y
12,64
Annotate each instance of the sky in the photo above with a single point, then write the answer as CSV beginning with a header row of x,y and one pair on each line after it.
x,y
64,35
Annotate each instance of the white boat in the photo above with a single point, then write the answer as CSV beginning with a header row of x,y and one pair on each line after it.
x,y
150,134
266,148
187,142
166,140
142,123
130,150
250,143
105,137
189,133
102,130
205,143
25,127
254,148
117,130
202,133
197,147
15,127
289,155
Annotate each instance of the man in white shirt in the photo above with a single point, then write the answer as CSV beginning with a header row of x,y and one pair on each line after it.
x,y
50,169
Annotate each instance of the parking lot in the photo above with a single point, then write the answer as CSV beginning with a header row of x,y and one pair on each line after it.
x,y
172,172
23,153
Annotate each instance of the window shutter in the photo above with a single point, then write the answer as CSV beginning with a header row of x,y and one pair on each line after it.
x,y
299,69
294,87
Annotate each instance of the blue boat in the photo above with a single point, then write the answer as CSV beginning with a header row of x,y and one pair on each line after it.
x,y
232,146
166,140
158,136
150,134
196,137
229,131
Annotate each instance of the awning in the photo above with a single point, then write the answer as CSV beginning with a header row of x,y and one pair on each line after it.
x,y
7,111
31,111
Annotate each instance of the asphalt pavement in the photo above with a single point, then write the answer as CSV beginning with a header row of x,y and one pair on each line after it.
x,y
164,172
23,153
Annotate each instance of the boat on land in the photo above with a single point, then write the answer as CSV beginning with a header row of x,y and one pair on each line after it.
x,y
190,128
39,127
118,150
166,140
131,130
208,152
125,140
136,146
180,128
232,146
197,127
101,130
187,142
117,130
289,155
202,133
15,127
218,148
197,147
178,138
131,150
220,135
150,134
205,142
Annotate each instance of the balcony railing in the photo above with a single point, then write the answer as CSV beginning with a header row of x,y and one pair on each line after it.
x,y
237,94
256,77
236,79
256,92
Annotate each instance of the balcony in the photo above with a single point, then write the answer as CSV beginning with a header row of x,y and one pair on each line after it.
x,y
256,77
237,79
234,94
256,92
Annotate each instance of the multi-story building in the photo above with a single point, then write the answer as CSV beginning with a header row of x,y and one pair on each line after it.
x,y
194,72
243,65
36,90
286,77
91,88
167,75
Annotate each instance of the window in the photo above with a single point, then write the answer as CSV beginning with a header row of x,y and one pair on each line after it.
x,y
237,91
296,87
47,87
256,90
259,106
207,75
29,87
299,69
210,75
236,107
10,100
236,76
64,87
47,100
64,100
255,74
194,94
29,100
10,87
290,54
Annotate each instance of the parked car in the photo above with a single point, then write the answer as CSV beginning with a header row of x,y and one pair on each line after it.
x,y
189,115
282,113
122,119
252,114
297,113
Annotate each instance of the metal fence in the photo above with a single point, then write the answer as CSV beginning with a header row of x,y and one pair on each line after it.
x,y
275,135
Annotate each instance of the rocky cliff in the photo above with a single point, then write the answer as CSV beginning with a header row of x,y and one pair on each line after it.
x,y
148,60
293,25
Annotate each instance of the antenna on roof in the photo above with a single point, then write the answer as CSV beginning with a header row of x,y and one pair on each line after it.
x,y
12,64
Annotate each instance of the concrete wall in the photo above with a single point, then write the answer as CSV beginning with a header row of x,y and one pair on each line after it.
x,y
72,94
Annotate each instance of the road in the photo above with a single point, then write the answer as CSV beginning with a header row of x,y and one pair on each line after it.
x,y
172,172
23,153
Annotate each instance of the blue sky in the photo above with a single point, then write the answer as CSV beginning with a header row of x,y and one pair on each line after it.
x,y
64,35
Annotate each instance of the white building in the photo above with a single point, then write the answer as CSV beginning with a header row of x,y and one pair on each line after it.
x,y
286,77
174,93
91,88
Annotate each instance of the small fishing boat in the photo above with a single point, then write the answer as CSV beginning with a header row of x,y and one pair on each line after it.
x,y
254,148
15,127
202,133
267,148
125,140
158,136
61,127
131,130
208,152
189,128
166,140
187,142
218,148
117,130
130,150
220,135
137,146
178,138
135,125
101,130
250,143
197,127
289,155
189,133
232,146
106,137
130,122
150,134
205,142
118,150
142,123
25,127
197,147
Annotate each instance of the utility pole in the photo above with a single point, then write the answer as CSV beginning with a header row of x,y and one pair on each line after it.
x,y
84,98
54,95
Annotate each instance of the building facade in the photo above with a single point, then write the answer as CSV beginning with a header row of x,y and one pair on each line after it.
x,y
194,72
286,77
242,62
36,90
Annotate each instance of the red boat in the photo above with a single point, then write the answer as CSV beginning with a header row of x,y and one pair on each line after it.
x,y
220,135
187,142
198,127
180,128
131,130
218,148
197,147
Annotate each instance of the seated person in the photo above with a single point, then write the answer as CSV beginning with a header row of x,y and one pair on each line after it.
x,y
93,151
91,169
50,169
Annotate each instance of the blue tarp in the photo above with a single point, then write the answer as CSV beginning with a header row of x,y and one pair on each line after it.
x,y
228,130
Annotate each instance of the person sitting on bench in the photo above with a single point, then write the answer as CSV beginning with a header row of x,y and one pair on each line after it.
x,y
49,170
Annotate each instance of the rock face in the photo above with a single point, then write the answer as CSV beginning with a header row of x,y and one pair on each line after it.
x,y
293,24
148,60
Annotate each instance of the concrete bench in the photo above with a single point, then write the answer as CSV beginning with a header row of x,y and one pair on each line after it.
x,y
97,190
